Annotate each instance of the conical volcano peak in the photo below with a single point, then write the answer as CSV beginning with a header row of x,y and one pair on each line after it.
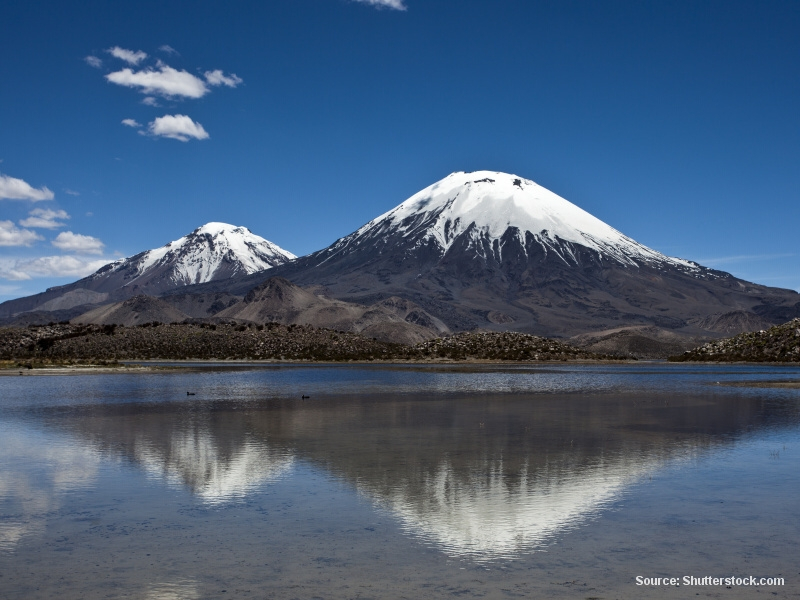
x,y
198,256
487,204
211,252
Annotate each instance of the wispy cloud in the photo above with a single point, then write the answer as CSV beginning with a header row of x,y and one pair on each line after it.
x,y
177,127
150,101
93,61
726,260
45,218
72,192
131,123
51,266
217,77
164,81
11,235
129,56
75,242
167,49
395,4
12,273
7,290
12,188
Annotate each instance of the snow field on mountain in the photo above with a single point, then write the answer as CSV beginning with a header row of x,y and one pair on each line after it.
x,y
496,201
196,257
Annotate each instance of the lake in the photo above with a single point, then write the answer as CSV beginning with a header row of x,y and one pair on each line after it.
x,y
539,481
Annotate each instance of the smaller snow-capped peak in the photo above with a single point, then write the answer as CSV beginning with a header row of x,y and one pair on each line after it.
x,y
491,203
213,251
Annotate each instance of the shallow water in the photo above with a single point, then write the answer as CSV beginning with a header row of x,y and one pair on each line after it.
x,y
398,482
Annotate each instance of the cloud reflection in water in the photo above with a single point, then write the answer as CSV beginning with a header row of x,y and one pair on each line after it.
x,y
36,469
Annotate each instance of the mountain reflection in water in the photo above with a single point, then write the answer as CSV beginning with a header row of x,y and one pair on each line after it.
x,y
488,476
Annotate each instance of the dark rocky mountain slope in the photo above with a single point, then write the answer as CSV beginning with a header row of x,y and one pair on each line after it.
x,y
492,250
278,300
133,311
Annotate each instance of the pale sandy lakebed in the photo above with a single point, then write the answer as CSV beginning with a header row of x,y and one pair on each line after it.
x,y
399,481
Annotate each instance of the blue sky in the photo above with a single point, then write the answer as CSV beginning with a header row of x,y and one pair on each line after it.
x,y
675,122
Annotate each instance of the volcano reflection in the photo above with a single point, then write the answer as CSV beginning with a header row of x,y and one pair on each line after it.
x,y
216,455
490,477
481,515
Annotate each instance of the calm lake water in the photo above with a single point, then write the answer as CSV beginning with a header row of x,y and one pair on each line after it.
x,y
399,482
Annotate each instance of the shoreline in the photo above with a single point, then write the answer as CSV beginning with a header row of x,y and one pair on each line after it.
x,y
743,363
792,385
171,365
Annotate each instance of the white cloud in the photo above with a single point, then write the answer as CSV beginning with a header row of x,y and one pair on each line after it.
x,y
11,235
177,127
45,218
217,77
395,4
13,274
16,189
166,48
75,242
93,61
72,192
164,81
131,123
150,101
51,266
129,56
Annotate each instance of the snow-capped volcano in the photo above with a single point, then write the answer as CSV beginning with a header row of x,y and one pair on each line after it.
x,y
489,249
209,253
487,210
213,251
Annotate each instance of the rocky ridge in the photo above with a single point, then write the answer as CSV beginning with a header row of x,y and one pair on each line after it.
x,y
776,344
504,346
271,341
277,301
